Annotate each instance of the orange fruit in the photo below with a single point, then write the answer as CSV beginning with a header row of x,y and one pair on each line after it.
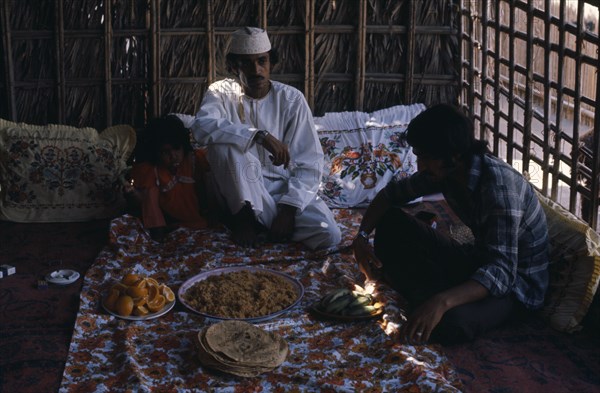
x,y
111,299
130,279
137,292
140,301
152,292
120,287
141,283
124,305
151,281
140,311
156,304
167,293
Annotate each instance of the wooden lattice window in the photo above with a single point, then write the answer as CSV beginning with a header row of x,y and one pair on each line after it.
x,y
529,75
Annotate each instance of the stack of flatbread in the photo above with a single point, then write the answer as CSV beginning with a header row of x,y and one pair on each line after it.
x,y
240,348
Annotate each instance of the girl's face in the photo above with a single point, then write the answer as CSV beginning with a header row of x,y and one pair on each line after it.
x,y
171,157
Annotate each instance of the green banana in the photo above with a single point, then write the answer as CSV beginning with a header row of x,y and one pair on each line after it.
x,y
339,304
333,296
339,293
362,294
359,310
344,301
360,300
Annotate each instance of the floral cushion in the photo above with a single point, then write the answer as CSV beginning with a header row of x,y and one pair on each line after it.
x,y
363,152
574,267
58,173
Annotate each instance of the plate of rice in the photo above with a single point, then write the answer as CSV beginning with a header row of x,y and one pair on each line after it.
x,y
244,293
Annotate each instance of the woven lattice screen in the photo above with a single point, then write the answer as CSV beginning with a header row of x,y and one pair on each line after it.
x,y
530,79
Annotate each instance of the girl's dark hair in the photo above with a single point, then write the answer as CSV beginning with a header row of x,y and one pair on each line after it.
x,y
442,132
166,130
231,60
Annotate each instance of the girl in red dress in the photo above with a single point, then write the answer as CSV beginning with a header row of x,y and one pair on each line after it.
x,y
169,178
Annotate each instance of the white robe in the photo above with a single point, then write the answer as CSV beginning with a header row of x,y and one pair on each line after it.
x,y
227,123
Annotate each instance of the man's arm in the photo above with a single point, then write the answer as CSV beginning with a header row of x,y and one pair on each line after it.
x,y
374,212
306,154
279,152
363,252
395,193
220,112
427,316
305,173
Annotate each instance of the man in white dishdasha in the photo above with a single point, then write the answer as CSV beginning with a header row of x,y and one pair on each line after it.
x,y
263,150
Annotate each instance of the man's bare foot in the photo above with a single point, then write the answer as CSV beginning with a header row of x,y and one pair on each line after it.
x,y
244,228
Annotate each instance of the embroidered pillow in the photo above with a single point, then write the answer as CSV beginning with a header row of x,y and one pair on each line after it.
x,y
58,173
574,267
363,152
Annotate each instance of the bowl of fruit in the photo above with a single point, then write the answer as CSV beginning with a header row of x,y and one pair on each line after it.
x,y
136,297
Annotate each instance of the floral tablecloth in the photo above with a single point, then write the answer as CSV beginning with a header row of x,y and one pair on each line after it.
x,y
109,354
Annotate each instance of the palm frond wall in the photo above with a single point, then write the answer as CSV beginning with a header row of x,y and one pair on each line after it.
x,y
98,63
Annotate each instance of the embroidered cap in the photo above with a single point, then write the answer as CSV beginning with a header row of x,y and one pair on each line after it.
x,y
249,41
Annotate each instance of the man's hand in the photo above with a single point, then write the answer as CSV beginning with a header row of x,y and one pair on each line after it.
x,y
282,227
280,154
422,321
365,256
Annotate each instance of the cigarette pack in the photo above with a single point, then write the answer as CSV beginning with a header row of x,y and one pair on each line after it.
x,y
8,269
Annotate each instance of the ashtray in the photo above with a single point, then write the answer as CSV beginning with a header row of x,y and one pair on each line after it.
x,y
62,277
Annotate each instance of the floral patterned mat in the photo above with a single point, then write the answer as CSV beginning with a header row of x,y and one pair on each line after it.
x,y
159,355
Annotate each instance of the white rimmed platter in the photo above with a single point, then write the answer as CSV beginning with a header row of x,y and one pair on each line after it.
x,y
168,306
253,269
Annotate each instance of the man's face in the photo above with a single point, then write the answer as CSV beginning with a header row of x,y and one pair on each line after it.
x,y
434,166
254,73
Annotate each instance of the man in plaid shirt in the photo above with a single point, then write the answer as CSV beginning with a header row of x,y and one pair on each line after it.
x,y
458,291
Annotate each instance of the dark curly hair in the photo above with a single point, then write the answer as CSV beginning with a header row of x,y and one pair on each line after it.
x,y
166,130
442,132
